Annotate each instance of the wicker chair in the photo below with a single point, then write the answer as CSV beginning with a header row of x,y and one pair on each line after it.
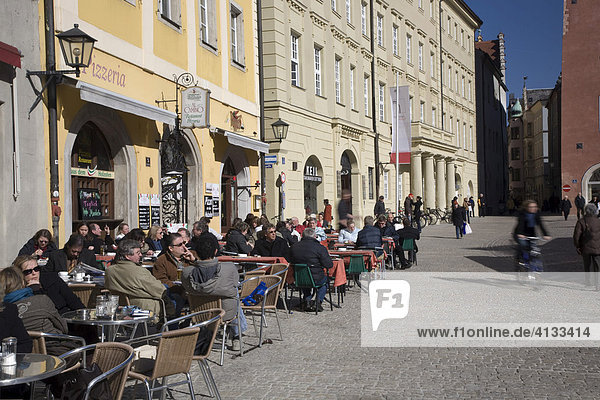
x,y
281,270
85,291
203,303
269,301
174,355
113,358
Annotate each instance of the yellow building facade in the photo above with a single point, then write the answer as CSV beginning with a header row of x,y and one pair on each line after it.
x,y
114,120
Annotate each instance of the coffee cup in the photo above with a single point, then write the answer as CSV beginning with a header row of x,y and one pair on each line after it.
x,y
64,275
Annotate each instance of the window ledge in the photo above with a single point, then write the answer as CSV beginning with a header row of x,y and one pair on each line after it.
x,y
208,47
299,87
239,66
168,22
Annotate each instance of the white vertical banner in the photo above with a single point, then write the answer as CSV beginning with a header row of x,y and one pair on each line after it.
x,y
401,136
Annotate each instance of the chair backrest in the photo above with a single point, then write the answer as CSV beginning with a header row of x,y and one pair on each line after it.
x,y
280,270
175,352
255,272
303,277
408,244
273,286
108,355
211,320
39,342
123,298
200,302
84,292
357,264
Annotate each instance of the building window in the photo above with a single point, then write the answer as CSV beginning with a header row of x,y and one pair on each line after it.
x,y
457,133
170,10
380,30
515,154
451,125
395,40
462,85
469,90
529,151
366,94
237,34
465,136
462,37
370,176
456,81
529,129
449,77
336,67
433,116
363,18
386,185
455,31
516,174
471,138
381,102
295,60
408,52
448,30
421,4
422,105
420,56
410,108
208,23
431,15
432,64
514,133
348,12
317,71
469,45
352,87
333,5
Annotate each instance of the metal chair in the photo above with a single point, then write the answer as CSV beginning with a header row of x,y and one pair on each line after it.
x,y
409,245
269,300
303,279
114,358
200,302
281,270
356,267
174,355
85,291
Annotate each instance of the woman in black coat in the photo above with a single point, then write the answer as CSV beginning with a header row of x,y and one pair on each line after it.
x,y
459,218
236,240
565,206
40,245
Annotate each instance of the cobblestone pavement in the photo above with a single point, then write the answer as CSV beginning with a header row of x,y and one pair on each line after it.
x,y
321,357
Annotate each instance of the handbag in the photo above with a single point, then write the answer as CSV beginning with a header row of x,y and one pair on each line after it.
x,y
256,296
468,229
76,382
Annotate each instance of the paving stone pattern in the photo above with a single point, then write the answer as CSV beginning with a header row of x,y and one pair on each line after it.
x,y
321,357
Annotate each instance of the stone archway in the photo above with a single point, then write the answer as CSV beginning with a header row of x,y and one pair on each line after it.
x,y
235,178
350,176
591,182
313,184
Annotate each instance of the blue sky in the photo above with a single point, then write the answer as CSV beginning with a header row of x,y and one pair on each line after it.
x,y
533,35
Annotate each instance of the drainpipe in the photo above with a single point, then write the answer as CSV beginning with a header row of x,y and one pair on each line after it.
x,y
52,124
373,103
261,100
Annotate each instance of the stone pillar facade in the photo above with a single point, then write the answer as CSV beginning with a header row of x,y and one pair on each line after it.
x,y
416,176
440,183
429,197
450,182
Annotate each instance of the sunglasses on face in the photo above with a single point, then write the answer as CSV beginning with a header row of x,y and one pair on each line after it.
x,y
271,232
179,244
30,271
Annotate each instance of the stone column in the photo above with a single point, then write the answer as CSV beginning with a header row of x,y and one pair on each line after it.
x,y
429,197
416,176
450,182
440,183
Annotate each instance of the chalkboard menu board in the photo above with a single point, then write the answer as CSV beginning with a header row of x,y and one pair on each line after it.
x,y
144,217
155,215
90,206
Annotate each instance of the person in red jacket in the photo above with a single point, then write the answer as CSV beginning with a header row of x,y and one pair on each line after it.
x,y
327,216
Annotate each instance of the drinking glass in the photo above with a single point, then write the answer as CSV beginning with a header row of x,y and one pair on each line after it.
x,y
9,351
114,304
102,306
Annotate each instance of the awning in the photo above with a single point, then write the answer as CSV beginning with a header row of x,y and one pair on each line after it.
x,y
95,94
10,55
245,142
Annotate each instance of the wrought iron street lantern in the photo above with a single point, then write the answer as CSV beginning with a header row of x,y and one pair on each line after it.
x,y
77,47
280,129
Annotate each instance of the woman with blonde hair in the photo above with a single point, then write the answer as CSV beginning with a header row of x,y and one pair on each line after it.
x,y
36,311
154,238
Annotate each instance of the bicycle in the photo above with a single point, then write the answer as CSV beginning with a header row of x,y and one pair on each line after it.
x,y
529,259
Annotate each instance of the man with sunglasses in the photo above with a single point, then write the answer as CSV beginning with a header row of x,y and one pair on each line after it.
x,y
271,245
175,258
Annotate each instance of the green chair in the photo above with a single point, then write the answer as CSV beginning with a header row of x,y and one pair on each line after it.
x,y
303,279
409,245
356,267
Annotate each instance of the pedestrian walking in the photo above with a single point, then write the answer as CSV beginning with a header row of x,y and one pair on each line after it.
x,y
586,238
466,207
565,206
327,215
418,212
481,205
408,206
579,204
472,206
344,209
459,218
379,207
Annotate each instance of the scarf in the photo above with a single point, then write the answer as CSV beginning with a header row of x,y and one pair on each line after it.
x,y
17,295
530,220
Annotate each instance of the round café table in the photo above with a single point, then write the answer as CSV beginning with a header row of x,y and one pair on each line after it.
x,y
108,326
30,368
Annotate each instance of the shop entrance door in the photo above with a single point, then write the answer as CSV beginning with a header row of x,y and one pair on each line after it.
x,y
228,196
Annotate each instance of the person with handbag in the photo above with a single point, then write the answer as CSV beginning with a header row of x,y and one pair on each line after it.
x,y
586,238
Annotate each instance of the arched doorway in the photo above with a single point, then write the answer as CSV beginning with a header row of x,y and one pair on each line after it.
x,y
313,187
348,182
591,182
470,189
92,176
228,195
457,184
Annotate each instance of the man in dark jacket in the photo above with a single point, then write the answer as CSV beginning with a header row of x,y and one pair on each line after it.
x,y
271,245
459,217
586,238
370,236
565,206
579,203
418,212
379,207
407,232
236,239
69,256
201,232
284,230
310,252
408,206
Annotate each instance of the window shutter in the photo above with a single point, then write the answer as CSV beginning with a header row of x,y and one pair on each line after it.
x,y
175,11
241,47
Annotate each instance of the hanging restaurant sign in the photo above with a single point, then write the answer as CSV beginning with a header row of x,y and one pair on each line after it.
x,y
311,174
93,173
195,107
